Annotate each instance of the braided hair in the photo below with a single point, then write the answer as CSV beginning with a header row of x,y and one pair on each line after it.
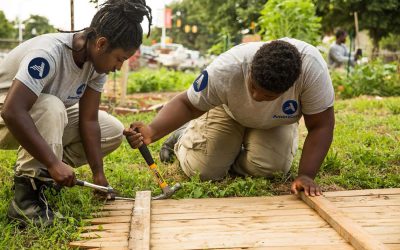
x,y
119,22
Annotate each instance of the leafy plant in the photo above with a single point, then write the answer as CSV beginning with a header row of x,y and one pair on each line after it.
x,y
374,78
148,80
290,18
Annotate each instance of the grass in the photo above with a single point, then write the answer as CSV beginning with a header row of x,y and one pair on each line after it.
x,y
364,154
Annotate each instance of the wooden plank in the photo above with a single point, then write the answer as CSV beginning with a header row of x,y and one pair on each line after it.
x,y
109,248
98,243
228,226
195,215
123,206
248,239
362,192
140,225
240,207
344,246
366,198
103,234
346,227
109,220
226,201
246,220
113,213
115,226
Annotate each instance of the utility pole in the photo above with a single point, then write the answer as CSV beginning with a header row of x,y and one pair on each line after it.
x,y
72,14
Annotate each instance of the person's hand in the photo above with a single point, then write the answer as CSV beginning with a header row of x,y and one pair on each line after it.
x,y
62,174
307,184
136,139
100,179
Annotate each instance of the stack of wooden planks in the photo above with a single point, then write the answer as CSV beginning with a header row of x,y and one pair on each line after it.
x,y
358,219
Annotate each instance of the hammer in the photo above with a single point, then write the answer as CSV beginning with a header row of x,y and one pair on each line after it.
x,y
166,189
108,190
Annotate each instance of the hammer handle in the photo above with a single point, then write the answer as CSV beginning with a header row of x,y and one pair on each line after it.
x,y
146,154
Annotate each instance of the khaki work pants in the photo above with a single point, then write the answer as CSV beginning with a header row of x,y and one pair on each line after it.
x,y
214,143
60,129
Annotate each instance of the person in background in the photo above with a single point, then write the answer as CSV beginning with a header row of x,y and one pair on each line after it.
x,y
339,55
50,88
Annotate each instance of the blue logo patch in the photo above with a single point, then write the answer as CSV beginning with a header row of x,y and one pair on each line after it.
x,y
201,81
290,107
81,89
38,68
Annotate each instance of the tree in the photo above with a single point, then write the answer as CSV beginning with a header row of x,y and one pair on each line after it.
x,y
37,25
6,28
290,18
216,21
379,17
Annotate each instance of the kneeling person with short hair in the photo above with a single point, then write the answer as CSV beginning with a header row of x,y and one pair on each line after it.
x,y
248,103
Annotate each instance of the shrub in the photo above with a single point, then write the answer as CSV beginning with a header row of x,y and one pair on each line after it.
x,y
291,18
374,78
147,80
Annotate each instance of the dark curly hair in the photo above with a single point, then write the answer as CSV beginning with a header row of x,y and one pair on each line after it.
x,y
276,66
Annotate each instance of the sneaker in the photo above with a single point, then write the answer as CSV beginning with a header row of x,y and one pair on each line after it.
x,y
167,149
29,205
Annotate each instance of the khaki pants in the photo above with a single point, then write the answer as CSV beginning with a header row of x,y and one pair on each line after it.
x,y
214,143
60,129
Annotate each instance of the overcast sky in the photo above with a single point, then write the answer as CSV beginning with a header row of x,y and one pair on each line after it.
x,y
58,11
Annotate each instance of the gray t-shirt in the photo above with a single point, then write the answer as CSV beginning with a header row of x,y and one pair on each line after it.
x,y
339,55
45,65
223,83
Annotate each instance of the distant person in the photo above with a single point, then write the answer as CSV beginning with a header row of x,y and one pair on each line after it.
x,y
50,88
244,110
339,54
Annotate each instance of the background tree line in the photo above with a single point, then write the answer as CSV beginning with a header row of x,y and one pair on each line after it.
x,y
224,22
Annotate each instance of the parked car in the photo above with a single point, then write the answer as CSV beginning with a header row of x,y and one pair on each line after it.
x,y
193,61
170,55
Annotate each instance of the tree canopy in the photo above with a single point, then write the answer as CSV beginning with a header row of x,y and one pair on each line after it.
x,y
6,28
379,17
37,25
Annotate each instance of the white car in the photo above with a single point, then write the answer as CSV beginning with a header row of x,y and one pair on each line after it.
x,y
170,55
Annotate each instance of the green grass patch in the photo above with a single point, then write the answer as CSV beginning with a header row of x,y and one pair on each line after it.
x,y
365,154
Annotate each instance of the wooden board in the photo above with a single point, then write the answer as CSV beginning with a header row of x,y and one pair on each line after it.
x,y
357,219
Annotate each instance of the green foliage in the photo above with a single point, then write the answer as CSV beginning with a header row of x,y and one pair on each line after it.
x,y
37,25
290,18
6,28
147,80
391,42
214,18
378,17
374,78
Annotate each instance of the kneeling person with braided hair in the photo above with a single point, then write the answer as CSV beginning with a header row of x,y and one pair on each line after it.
x,y
50,88
248,103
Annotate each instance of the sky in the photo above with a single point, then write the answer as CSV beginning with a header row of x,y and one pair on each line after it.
x,y
58,11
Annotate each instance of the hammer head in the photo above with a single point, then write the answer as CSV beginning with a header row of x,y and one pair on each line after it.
x,y
168,192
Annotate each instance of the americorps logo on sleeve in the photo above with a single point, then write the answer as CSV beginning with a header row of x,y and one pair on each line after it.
x,y
289,107
38,68
201,81
81,89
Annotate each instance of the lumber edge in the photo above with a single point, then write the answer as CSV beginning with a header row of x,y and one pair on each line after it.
x,y
346,227
139,237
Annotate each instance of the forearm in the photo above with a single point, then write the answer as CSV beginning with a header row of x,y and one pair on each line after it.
x,y
25,132
173,115
90,134
314,151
